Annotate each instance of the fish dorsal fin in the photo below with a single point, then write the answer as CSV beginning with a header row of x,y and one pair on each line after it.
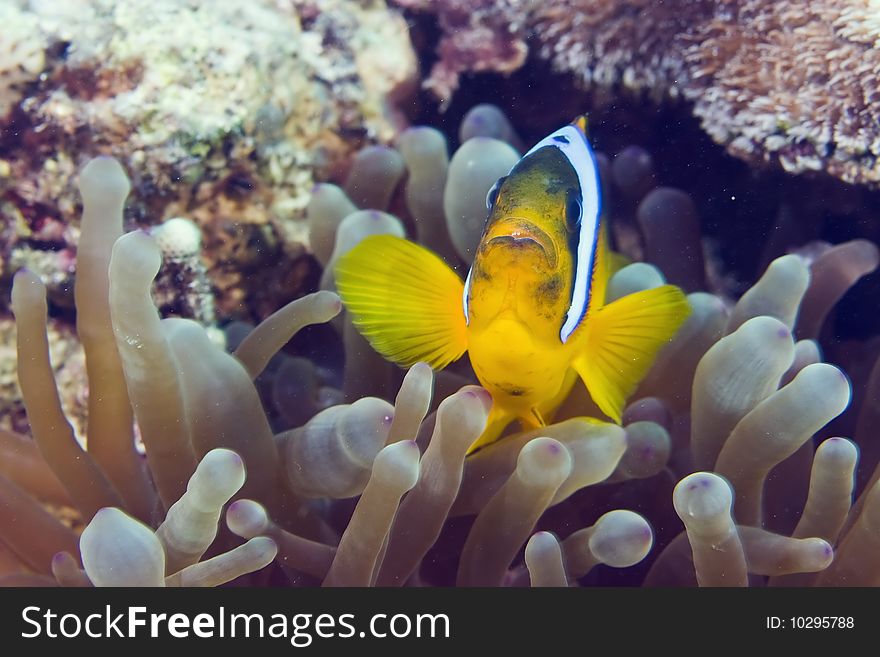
x,y
404,300
622,341
602,269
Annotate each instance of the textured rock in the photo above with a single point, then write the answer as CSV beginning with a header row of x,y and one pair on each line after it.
x,y
68,363
774,81
222,112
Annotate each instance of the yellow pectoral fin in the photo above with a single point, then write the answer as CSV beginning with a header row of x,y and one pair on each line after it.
x,y
404,300
623,340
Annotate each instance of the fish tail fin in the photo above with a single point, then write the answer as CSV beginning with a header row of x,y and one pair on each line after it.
x,y
623,340
404,300
496,423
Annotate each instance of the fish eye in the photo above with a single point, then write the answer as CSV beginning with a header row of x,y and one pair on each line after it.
x,y
492,196
573,208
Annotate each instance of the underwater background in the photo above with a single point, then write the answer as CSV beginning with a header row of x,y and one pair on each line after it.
x,y
185,401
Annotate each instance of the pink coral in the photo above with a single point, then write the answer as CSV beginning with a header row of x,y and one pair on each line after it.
x,y
476,38
781,82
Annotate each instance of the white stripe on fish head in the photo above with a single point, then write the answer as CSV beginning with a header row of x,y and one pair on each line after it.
x,y
574,146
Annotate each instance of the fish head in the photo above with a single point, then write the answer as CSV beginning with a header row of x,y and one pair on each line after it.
x,y
526,258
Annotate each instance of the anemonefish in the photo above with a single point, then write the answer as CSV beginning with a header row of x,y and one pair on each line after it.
x,y
532,311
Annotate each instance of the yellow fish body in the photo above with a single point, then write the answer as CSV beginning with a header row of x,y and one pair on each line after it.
x,y
532,311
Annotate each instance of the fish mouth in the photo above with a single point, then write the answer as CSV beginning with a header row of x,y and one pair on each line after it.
x,y
521,234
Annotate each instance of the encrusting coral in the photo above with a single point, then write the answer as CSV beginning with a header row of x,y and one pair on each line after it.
x,y
778,81
186,96
712,479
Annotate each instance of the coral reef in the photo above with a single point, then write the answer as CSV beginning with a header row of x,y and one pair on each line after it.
x,y
183,288
22,55
476,37
68,364
779,82
187,96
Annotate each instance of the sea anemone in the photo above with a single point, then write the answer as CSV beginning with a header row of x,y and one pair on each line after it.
x,y
724,471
